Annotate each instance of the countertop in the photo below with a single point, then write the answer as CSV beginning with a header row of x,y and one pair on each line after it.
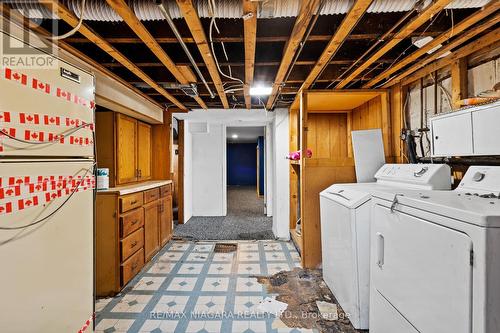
x,y
132,188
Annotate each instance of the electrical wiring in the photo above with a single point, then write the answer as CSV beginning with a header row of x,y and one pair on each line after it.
x,y
74,130
210,34
75,29
87,171
445,92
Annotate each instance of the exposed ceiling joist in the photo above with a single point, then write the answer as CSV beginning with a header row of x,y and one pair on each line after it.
x,y
357,10
428,13
239,39
65,14
241,64
21,20
121,7
250,32
193,21
444,50
306,12
489,9
490,40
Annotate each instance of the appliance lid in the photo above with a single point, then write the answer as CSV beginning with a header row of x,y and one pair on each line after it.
x,y
348,196
481,180
417,176
466,207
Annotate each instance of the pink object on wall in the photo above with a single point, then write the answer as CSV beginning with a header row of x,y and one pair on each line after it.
x,y
295,155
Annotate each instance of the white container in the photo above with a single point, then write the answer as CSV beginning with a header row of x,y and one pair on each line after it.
x,y
102,179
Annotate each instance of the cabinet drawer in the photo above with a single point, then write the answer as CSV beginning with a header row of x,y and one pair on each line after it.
x,y
151,195
130,201
132,266
131,221
132,243
165,190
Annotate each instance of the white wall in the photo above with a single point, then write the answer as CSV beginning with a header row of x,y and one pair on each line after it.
x,y
269,169
281,176
188,173
209,171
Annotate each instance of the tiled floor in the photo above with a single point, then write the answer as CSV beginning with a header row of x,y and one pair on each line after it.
x,y
189,288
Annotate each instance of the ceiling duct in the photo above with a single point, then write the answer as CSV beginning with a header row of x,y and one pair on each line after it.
x,y
99,10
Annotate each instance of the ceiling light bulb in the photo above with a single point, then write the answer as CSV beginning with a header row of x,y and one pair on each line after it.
x,y
260,91
235,136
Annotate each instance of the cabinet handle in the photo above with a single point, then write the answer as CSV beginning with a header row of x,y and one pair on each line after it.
x,y
134,266
134,222
140,173
133,202
133,244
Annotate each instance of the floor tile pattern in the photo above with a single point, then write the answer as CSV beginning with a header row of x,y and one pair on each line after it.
x,y
189,288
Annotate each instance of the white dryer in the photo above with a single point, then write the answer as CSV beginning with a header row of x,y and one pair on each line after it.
x,y
345,225
435,258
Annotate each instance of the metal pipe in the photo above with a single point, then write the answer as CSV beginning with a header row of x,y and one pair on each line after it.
x,y
184,47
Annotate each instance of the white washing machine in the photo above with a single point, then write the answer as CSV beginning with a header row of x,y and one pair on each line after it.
x,y
435,258
345,225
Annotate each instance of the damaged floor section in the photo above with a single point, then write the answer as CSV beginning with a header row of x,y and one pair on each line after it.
x,y
188,287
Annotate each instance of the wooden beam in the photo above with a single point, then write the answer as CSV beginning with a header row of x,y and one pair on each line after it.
x,y
121,7
235,39
189,13
458,81
66,15
250,32
490,40
242,64
348,23
489,9
306,12
14,16
443,51
430,11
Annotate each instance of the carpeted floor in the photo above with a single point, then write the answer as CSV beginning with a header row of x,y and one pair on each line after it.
x,y
245,219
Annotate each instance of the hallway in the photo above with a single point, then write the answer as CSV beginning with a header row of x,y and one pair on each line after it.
x,y
245,219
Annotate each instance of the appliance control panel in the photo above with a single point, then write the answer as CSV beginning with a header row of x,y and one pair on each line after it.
x,y
434,176
481,180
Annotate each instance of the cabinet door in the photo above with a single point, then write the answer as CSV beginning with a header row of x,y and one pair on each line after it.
x,y
151,229
126,153
165,219
144,150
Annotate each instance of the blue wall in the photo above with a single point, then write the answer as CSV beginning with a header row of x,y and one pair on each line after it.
x,y
242,164
260,143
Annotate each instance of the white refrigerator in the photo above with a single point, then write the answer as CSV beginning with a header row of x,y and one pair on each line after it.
x,y
46,198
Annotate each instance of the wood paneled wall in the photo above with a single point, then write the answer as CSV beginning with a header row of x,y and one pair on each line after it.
x,y
162,148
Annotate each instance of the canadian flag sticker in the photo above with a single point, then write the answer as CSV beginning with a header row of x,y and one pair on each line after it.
x,y
27,203
34,135
19,180
37,85
27,118
5,117
51,120
15,76
63,94
9,192
6,208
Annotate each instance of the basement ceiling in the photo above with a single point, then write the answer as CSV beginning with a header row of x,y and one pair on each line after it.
x,y
271,38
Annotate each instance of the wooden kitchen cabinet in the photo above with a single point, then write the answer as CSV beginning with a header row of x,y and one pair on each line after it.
x,y
131,227
151,229
126,153
124,146
166,219
143,151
